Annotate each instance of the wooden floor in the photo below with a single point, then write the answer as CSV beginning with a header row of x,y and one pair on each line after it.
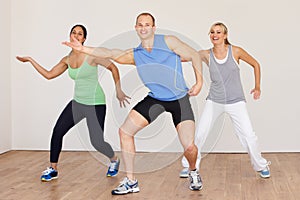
x,y
81,176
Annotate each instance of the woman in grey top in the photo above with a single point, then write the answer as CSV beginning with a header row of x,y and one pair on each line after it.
x,y
226,96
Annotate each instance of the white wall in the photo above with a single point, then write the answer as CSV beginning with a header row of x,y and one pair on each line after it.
x,y
267,31
5,80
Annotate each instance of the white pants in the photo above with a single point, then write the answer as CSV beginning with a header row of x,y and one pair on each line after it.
x,y
242,125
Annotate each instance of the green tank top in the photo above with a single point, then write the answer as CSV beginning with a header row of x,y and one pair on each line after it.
x,y
87,89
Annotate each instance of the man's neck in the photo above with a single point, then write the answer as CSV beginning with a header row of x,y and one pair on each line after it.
x,y
148,43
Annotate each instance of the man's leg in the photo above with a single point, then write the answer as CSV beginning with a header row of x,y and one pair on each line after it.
x,y
186,131
133,123
210,114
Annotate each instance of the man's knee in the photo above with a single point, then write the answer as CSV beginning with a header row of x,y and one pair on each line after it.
x,y
124,134
191,148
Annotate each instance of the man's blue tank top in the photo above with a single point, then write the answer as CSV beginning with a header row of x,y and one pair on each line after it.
x,y
160,70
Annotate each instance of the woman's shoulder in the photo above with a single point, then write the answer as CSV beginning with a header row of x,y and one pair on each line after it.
x,y
65,59
204,53
237,50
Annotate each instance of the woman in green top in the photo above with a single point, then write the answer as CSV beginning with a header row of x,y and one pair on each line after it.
x,y
88,102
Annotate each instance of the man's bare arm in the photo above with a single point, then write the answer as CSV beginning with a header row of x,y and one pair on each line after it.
x,y
120,56
187,53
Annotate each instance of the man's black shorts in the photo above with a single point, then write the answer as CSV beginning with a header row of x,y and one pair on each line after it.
x,y
151,108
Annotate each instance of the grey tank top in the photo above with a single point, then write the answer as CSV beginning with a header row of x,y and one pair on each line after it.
x,y
226,87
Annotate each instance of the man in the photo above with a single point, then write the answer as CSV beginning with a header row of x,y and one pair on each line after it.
x,y
158,61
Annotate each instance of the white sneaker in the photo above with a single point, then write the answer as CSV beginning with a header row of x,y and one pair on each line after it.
x,y
126,186
184,173
195,180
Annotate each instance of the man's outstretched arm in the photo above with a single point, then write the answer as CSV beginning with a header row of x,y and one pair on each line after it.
x,y
120,56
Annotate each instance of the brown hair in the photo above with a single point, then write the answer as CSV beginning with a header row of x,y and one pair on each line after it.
x,y
145,14
83,29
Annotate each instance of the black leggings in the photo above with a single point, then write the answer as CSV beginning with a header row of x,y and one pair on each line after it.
x,y
72,114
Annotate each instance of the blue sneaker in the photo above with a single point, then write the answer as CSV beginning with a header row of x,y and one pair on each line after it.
x,y
49,174
126,186
265,173
113,168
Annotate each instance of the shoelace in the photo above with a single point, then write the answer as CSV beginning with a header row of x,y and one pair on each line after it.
x,y
195,178
123,182
47,171
112,166
126,181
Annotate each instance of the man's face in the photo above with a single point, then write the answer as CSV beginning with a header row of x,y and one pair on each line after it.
x,y
144,27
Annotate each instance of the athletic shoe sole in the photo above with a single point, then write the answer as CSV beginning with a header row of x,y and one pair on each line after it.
x,y
134,190
47,180
183,175
109,175
264,176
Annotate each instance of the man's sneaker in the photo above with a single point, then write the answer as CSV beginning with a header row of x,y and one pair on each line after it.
x,y
126,186
265,173
195,180
49,174
113,168
184,173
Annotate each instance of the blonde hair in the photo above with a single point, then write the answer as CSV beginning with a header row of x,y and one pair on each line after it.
x,y
224,28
